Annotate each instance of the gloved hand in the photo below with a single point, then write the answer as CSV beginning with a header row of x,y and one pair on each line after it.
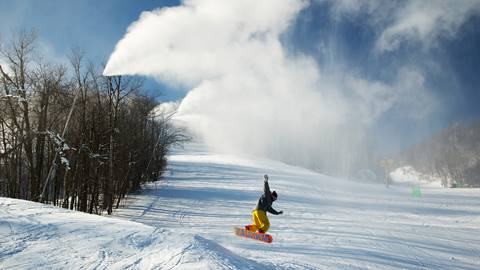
x,y
280,212
265,177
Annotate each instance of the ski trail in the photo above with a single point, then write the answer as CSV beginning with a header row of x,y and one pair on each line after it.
x,y
186,222
328,222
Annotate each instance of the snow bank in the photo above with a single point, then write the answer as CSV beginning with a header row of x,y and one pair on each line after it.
x,y
410,176
184,252
34,236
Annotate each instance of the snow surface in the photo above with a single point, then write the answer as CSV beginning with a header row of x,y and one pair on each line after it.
x,y
185,222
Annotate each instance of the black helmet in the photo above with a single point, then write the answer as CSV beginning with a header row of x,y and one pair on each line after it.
x,y
274,195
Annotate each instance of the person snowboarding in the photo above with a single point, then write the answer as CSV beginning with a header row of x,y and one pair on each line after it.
x,y
264,205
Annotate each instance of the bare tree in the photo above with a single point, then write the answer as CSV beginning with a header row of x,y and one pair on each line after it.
x,y
76,139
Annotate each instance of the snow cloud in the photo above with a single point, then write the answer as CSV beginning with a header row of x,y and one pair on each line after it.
x,y
426,21
248,94
201,39
166,109
3,62
411,21
5,67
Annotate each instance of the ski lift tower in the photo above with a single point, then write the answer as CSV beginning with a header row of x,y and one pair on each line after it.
x,y
387,165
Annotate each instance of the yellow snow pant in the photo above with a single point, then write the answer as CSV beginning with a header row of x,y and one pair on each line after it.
x,y
260,221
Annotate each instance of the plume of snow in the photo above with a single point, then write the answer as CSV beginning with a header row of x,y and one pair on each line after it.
x,y
247,93
5,67
411,21
166,109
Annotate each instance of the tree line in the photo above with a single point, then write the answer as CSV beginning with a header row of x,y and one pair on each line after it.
x,y
453,155
72,137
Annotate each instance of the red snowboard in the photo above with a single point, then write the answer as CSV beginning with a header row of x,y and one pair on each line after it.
x,y
263,237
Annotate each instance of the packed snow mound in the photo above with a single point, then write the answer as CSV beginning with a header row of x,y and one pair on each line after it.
x,y
409,175
34,235
184,252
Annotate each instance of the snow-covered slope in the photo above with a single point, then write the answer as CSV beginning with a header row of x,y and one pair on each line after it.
x,y
185,222
36,236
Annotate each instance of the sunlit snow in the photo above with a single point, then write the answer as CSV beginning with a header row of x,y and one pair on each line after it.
x,y
185,222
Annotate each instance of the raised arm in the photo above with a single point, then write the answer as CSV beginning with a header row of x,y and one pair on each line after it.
x,y
266,187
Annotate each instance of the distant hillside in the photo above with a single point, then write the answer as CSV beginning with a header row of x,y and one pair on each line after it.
x,y
453,155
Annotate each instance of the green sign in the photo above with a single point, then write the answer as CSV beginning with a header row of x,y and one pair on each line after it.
x,y
416,192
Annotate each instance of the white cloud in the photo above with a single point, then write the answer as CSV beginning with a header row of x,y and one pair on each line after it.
x,y
166,109
248,95
414,99
201,39
426,21
3,61
5,67
410,21
408,94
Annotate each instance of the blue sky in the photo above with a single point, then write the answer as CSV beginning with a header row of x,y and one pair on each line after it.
x,y
94,26
455,80
448,59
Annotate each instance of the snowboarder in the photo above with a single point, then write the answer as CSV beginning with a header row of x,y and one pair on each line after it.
x,y
259,215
